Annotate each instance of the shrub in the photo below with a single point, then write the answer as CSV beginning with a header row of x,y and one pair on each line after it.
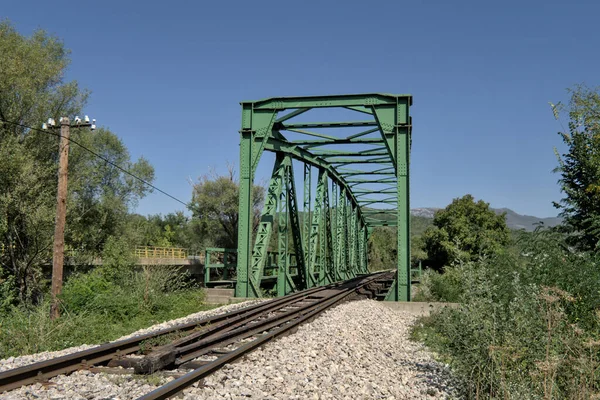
x,y
446,286
528,324
101,305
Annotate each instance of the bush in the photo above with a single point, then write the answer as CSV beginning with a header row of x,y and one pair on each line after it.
x,y
446,286
528,325
101,305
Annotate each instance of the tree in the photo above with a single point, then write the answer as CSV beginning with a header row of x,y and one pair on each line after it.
x,y
579,168
383,244
100,195
171,230
31,90
465,230
215,204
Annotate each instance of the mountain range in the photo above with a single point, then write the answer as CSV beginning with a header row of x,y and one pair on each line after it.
x,y
513,219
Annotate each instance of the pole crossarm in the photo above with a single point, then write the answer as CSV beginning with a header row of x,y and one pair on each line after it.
x,y
362,160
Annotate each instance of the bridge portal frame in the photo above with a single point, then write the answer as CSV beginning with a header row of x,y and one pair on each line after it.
x,y
334,233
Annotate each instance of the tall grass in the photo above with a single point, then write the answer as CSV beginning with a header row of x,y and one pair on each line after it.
x,y
528,325
98,306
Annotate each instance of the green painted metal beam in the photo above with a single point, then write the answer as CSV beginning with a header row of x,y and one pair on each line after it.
x,y
305,280
350,100
292,115
337,141
308,125
306,222
284,286
349,161
360,109
325,153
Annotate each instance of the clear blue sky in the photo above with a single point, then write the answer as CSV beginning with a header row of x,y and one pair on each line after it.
x,y
168,77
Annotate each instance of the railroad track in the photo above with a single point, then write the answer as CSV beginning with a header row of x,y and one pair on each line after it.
x,y
203,346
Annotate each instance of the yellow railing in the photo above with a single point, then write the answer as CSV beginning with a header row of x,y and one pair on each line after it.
x,y
160,252
139,251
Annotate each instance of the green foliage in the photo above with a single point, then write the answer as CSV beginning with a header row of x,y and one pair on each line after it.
x,y
465,230
100,196
117,258
435,286
170,230
32,89
383,244
97,308
215,204
8,293
579,168
383,252
419,225
528,324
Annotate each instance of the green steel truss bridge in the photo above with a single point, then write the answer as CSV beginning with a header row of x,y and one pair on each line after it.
x,y
356,177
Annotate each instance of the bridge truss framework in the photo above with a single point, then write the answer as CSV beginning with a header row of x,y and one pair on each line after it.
x,y
362,181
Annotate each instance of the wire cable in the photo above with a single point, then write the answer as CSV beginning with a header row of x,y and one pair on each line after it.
x,y
100,157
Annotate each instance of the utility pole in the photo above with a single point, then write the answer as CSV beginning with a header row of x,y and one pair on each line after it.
x,y
58,254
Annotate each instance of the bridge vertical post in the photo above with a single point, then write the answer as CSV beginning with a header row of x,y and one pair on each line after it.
x,y
341,235
365,250
256,125
345,237
403,143
306,222
355,239
283,262
334,233
242,288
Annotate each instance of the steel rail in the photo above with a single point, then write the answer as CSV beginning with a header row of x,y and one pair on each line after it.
x,y
43,370
176,386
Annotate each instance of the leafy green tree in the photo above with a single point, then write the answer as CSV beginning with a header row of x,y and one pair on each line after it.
x,y
214,205
100,195
383,252
171,230
383,244
579,168
465,230
32,89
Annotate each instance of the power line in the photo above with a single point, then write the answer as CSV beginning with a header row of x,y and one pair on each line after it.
x,y
100,157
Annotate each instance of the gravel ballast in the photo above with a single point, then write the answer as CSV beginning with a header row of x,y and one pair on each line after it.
x,y
358,350
15,362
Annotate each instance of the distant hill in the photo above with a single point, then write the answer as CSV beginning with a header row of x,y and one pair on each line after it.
x,y
527,222
513,220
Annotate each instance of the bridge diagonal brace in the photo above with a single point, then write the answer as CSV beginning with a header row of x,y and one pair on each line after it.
x,y
295,223
265,227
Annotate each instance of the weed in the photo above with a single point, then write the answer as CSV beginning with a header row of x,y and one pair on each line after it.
x,y
99,307
528,325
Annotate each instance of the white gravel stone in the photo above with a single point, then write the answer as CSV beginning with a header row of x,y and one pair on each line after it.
x,y
15,362
358,350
